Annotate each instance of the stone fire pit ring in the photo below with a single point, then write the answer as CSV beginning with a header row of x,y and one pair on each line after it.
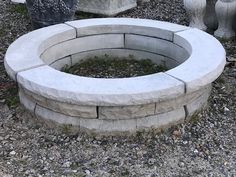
x,y
194,57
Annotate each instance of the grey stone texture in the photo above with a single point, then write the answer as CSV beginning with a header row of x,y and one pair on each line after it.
x,y
106,7
36,42
137,54
226,13
126,112
83,44
115,105
145,27
196,11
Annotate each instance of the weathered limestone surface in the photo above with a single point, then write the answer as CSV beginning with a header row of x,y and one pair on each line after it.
x,y
169,105
126,112
59,118
158,46
64,108
18,55
111,92
159,29
161,120
59,64
110,105
203,66
98,125
83,44
199,102
26,102
137,54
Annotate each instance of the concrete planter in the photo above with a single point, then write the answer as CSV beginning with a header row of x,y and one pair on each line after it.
x,y
44,13
106,7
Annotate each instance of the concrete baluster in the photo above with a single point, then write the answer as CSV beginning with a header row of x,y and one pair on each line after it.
x,y
196,10
210,18
225,11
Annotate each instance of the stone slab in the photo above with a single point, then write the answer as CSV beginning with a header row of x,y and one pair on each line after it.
x,y
206,62
50,115
59,64
60,107
169,105
126,112
136,54
24,53
98,125
155,45
196,105
162,120
27,103
159,29
100,92
83,44
95,125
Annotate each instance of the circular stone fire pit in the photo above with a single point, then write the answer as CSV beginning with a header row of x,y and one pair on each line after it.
x,y
195,60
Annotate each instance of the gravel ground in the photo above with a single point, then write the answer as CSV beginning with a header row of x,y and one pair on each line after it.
x,y
114,67
206,146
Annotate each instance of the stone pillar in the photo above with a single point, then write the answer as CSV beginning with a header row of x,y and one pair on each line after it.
x,y
225,11
210,18
196,11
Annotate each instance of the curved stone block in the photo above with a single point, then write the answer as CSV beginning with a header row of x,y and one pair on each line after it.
x,y
115,105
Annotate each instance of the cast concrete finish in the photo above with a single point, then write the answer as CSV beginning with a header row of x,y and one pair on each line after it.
x,y
106,7
225,12
196,11
18,1
25,52
115,105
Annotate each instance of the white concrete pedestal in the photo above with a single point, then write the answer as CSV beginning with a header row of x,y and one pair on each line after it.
x,y
106,7
196,11
225,11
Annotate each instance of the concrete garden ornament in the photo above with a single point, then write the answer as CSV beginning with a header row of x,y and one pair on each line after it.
x,y
219,16
196,11
210,18
225,11
49,12
106,7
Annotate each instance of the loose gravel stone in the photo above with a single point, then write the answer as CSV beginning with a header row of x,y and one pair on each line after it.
x,y
205,146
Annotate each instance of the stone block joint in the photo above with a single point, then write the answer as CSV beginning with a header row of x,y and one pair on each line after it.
x,y
115,105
